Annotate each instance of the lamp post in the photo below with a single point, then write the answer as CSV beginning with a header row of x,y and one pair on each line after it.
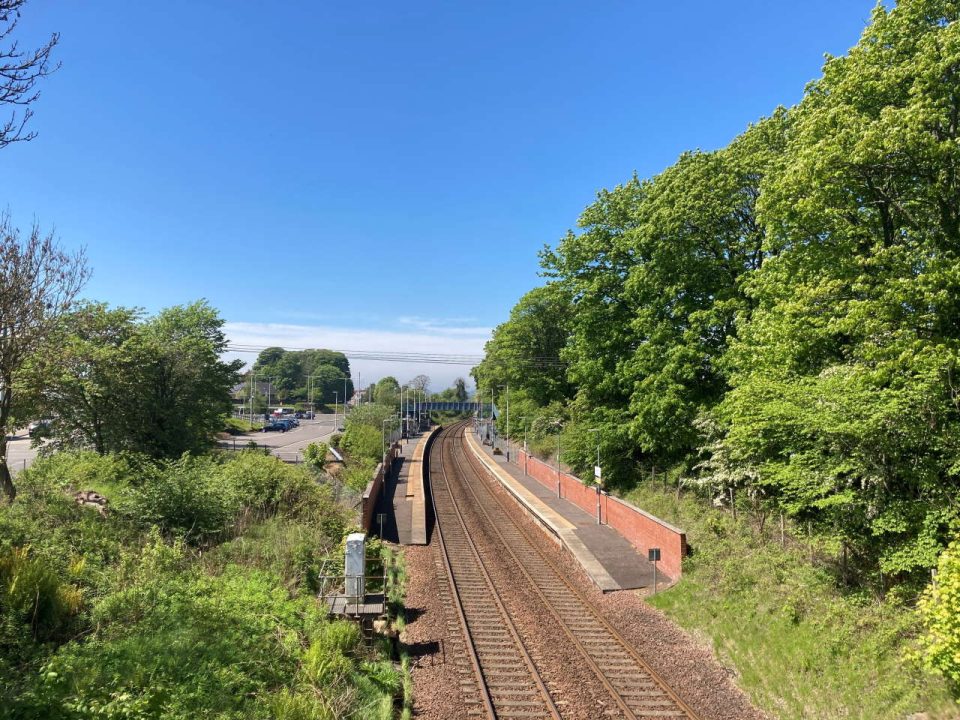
x,y
558,462
507,387
269,378
525,453
559,423
493,419
383,440
597,473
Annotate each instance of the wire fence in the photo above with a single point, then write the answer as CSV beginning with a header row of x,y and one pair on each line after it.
x,y
294,457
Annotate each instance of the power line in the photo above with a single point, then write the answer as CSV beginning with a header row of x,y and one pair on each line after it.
x,y
405,357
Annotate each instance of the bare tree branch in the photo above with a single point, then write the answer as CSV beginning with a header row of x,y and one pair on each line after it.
x,y
19,72
38,285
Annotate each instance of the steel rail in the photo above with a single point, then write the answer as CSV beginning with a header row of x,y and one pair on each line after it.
x,y
544,561
483,678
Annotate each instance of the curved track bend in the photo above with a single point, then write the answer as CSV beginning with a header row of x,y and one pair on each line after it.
x,y
507,678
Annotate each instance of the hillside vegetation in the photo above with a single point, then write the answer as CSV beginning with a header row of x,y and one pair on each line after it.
x,y
192,596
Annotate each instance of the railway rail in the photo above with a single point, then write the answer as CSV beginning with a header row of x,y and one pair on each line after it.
x,y
508,683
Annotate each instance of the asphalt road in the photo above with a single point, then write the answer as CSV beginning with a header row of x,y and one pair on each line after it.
x,y
19,452
287,445
284,445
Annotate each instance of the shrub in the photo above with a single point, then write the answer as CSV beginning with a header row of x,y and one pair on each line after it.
x,y
315,455
32,593
188,497
79,470
363,443
939,612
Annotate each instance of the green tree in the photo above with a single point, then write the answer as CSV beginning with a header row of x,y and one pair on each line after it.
x,y
843,390
524,352
83,378
328,384
186,386
114,381
387,391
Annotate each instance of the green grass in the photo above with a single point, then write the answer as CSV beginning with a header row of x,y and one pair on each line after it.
x,y
106,617
799,647
238,426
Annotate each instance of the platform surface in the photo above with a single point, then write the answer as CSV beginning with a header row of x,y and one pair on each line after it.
x,y
402,499
604,554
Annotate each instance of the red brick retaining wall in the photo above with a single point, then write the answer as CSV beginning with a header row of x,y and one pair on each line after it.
x,y
642,529
368,502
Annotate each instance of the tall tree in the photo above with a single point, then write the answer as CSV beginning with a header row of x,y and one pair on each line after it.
x,y
20,71
183,385
460,389
524,352
387,391
83,379
38,284
845,386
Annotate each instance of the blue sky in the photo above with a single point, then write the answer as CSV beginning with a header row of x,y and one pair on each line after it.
x,y
383,173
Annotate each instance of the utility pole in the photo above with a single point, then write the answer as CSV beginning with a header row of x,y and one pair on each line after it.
x,y
253,383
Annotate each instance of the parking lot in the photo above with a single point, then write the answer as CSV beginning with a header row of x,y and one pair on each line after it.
x,y
288,445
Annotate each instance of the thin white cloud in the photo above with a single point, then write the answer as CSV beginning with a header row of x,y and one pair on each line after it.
x,y
427,336
445,326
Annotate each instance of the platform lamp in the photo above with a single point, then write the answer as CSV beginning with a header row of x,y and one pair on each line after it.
x,y
559,423
597,473
525,451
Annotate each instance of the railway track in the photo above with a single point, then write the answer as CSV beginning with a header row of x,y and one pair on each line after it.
x,y
508,684
637,692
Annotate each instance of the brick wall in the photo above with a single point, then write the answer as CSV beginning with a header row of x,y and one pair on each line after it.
x,y
368,502
642,529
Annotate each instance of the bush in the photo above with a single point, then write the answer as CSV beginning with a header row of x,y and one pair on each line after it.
x,y
239,426
363,443
172,641
939,612
315,455
80,470
188,497
33,594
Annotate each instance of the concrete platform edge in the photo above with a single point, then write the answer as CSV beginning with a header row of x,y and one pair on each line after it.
x,y
555,524
418,530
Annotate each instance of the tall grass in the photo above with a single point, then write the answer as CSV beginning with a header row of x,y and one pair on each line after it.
x,y
794,642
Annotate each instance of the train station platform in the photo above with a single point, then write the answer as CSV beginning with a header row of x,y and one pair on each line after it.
x,y
402,502
609,559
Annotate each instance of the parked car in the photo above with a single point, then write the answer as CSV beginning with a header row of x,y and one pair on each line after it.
x,y
274,426
38,427
285,424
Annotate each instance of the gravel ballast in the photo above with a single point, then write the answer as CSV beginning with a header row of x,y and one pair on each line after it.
x,y
688,667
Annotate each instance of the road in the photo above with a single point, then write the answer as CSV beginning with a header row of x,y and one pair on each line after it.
x,y
19,453
290,444
286,446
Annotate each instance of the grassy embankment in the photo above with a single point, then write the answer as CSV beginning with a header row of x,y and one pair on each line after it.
x,y
192,596
798,646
